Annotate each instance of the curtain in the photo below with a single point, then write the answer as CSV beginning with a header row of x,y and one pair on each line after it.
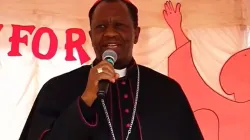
x,y
217,32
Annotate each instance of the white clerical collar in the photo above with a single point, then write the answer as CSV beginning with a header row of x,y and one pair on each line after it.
x,y
121,72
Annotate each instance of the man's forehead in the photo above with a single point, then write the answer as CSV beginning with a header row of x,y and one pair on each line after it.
x,y
102,0
107,10
110,19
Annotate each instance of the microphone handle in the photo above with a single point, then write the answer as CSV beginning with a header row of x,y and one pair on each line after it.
x,y
103,88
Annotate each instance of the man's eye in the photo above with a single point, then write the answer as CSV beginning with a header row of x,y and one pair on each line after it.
x,y
100,26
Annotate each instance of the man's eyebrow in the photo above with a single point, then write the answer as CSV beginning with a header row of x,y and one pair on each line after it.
x,y
109,20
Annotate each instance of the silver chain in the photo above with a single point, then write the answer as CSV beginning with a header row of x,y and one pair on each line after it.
x,y
134,109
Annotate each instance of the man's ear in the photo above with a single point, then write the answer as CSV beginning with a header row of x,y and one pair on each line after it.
x,y
137,33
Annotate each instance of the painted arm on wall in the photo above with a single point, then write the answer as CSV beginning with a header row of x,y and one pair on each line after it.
x,y
173,17
181,59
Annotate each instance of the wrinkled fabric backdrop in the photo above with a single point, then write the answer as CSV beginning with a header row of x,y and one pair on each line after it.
x,y
218,31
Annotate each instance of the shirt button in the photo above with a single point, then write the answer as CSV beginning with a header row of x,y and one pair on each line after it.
x,y
126,110
128,125
126,96
123,83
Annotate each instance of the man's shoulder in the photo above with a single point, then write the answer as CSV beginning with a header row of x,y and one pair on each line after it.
x,y
70,77
66,85
160,85
155,76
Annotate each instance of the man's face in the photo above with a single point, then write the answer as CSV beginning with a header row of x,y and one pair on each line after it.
x,y
112,28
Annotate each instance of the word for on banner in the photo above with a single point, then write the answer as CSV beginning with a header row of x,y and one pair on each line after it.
x,y
70,44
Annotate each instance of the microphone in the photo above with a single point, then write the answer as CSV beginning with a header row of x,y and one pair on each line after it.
x,y
103,85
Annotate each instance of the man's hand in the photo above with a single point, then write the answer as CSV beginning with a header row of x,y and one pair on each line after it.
x,y
172,15
102,71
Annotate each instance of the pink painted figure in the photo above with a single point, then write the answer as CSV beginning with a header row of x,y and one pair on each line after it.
x,y
219,118
235,76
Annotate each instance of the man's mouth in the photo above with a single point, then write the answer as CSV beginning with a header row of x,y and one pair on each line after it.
x,y
112,46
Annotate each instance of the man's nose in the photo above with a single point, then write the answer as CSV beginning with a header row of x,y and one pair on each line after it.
x,y
110,32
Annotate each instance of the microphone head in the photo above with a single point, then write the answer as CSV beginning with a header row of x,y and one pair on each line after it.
x,y
110,56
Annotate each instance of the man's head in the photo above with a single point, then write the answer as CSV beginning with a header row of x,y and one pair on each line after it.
x,y
114,25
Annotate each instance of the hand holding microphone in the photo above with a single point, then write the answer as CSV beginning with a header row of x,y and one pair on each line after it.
x,y
99,78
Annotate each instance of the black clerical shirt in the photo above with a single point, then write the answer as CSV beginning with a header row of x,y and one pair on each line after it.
x,y
163,111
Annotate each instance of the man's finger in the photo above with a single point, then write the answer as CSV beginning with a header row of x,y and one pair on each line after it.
x,y
117,76
104,76
106,65
107,71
